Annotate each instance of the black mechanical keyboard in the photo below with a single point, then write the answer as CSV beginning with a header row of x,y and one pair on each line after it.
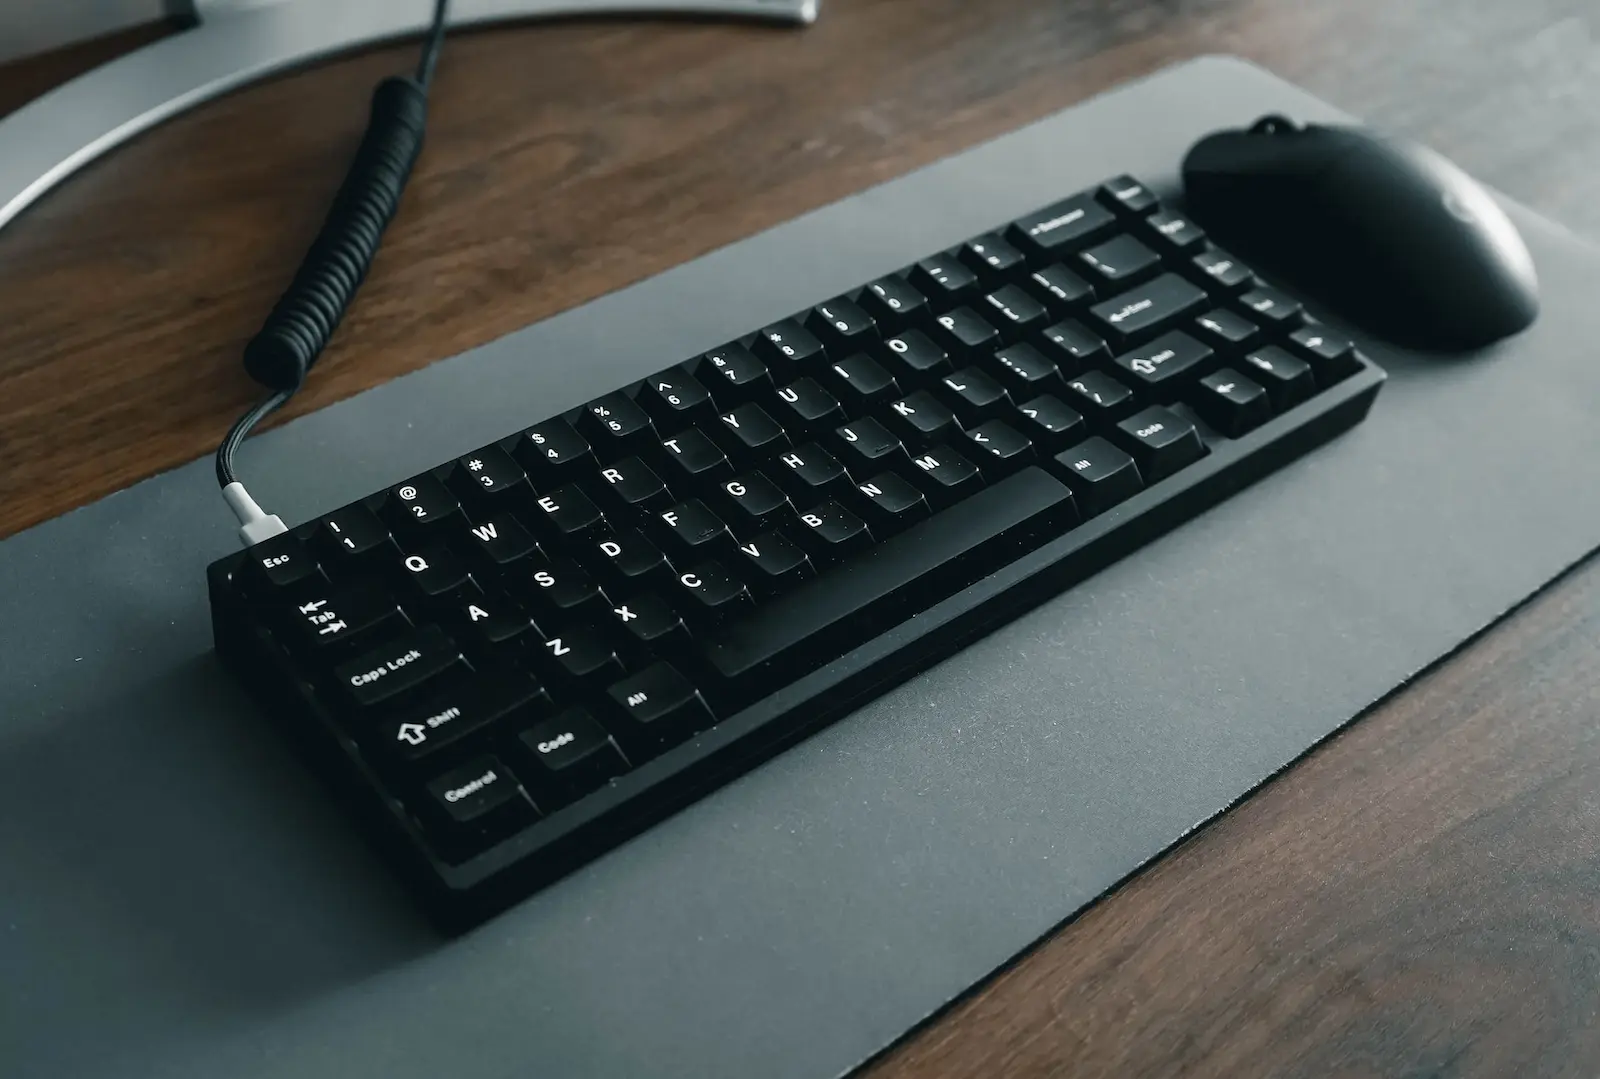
x,y
512,662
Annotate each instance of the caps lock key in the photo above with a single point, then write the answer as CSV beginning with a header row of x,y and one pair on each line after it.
x,y
403,664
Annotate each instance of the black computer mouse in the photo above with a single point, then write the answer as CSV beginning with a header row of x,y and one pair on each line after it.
x,y
1389,234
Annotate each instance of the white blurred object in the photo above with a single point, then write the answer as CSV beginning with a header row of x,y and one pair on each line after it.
x,y
234,42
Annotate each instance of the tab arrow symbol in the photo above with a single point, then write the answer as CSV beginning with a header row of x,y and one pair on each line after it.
x,y
331,627
314,605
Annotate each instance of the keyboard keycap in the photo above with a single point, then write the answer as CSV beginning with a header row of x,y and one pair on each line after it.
x,y
475,803
713,592
634,489
1100,474
865,445
1127,196
421,503
843,326
402,665
1024,371
490,698
500,542
619,424
1222,271
1121,261
891,504
1175,232
488,625
489,480
1016,312
811,472
747,431
282,566
974,395
694,459
1231,403
330,621
632,562
922,417
676,399
1170,359
776,563
830,532
566,515
554,453
735,374
963,334
862,382
659,706
754,503
352,537
913,354
434,572
694,531
652,622
1272,308
790,347
992,257
1061,287
893,302
905,573
1331,358
561,589
579,654
1069,224
1050,424
1001,448
1161,442
572,755
1227,330
1146,310
947,476
1100,398
806,406
1071,347
1286,379
944,280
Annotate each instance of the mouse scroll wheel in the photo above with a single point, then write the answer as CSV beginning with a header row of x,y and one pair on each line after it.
x,y
1273,125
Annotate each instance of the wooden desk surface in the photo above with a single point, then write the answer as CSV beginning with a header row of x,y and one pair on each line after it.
x,y
1421,896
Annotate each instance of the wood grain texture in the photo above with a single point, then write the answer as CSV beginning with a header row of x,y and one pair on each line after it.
x,y
1417,898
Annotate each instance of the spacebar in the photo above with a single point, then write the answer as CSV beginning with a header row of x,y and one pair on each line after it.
x,y
923,565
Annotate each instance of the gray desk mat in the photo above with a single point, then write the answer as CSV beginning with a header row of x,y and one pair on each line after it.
x,y
178,898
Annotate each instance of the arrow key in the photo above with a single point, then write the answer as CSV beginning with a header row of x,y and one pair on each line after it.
x,y
1231,403
1331,357
1287,380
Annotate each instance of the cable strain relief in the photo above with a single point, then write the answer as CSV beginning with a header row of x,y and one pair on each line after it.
x,y
255,523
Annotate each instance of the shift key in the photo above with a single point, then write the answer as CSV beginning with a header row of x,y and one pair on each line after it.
x,y
1140,313
399,666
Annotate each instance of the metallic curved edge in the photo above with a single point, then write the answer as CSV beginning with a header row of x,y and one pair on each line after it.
x,y
49,139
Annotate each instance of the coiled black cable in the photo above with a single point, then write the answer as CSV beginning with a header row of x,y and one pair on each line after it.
x,y
303,321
